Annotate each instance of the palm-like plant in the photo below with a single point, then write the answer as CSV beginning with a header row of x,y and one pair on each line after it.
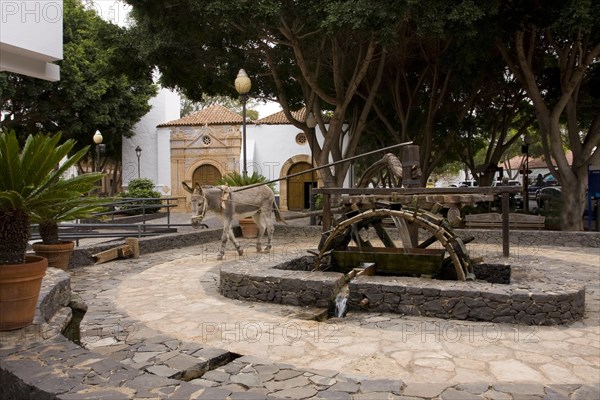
x,y
32,190
237,179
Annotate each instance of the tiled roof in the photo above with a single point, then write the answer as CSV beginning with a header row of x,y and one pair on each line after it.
x,y
213,115
279,118
539,162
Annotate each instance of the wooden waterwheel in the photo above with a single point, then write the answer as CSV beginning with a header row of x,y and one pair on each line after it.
x,y
354,228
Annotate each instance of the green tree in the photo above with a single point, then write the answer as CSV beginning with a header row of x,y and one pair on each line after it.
x,y
309,53
189,106
553,50
105,85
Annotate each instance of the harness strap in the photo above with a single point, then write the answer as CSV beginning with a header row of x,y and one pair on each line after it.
x,y
225,194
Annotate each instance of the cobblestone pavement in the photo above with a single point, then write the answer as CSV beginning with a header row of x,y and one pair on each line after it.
x,y
162,313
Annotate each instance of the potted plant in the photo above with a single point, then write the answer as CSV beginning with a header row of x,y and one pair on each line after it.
x,y
247,225
30,181
57,251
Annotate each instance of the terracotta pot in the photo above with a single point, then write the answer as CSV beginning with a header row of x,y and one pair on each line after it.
x,y
249,228
19,291
58,255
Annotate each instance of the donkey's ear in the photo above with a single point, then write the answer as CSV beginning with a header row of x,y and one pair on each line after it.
x,y
187,187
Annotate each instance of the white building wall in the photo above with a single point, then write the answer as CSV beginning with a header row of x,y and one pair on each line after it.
x,y
31,37
155,163
270,146
273,146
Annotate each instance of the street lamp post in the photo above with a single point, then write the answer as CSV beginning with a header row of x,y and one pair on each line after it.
x,y
311,122
138,153
527,139
242,85
98,140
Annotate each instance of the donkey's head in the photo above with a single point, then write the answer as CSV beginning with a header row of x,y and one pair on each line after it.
x,y
198,202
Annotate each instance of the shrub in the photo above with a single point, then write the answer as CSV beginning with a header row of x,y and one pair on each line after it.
x,y
142,188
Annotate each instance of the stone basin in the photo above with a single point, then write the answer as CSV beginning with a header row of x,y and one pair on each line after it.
x,y
521,302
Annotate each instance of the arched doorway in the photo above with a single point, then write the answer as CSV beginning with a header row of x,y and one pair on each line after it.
x,y
298,187
205,174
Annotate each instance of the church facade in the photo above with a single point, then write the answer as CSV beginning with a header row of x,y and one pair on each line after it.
x,y
203,146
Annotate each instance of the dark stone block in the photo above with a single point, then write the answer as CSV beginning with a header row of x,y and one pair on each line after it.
x,y
460,310
430,292
521,296
481,313
533,309
520,306
504,310
473,301
414,290
541,297
434,306
374,298
391,298
550,307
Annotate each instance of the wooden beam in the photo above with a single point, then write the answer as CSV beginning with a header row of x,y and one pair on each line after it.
x,y
131,248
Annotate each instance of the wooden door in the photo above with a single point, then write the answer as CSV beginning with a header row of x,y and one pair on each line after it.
x,y
298,187
206,175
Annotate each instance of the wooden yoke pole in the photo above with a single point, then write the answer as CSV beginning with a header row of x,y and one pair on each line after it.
x,y
325,166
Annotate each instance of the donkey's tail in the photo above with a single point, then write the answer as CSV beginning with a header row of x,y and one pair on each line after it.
x,y
278,216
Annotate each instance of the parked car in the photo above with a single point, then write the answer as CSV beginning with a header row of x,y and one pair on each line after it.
x,y
519,202
507,183
470,183
548,197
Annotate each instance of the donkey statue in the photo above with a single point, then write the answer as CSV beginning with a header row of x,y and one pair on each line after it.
x,y
235,202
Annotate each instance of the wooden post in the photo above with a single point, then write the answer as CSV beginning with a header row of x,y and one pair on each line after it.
x,y
505,221
410,164
326,212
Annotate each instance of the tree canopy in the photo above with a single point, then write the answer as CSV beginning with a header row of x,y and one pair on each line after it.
x,y
554,51
105,85
330,56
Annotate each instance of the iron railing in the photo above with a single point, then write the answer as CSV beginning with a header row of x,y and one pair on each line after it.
x,y
89,229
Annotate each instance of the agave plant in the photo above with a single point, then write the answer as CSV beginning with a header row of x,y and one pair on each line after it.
x,y
32,190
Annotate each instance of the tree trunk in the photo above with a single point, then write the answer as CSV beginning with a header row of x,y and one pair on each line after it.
x,y
573,201
14,234
572,72
49,232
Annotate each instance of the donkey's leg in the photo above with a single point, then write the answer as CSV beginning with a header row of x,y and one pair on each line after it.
x,y
224,237
239,249
270,230
260,223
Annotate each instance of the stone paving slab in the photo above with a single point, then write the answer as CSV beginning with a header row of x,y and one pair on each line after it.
x,y
415,349
118,334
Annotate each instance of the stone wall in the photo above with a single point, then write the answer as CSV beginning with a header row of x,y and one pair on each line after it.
x,y
253,282
530,303
535,237
477,301
83,255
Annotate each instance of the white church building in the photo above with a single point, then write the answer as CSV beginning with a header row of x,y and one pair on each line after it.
x,y
203,146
